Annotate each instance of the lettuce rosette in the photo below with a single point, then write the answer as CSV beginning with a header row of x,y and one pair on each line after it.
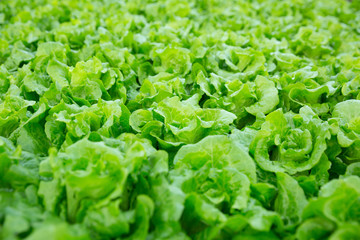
x,y
290,142
68,123
173,122
89,183
247,100
334,213
345,124
214,175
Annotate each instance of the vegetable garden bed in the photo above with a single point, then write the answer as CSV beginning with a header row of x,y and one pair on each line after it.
x,y
202,119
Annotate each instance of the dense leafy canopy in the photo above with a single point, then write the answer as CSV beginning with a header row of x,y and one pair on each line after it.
x,y
201,119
